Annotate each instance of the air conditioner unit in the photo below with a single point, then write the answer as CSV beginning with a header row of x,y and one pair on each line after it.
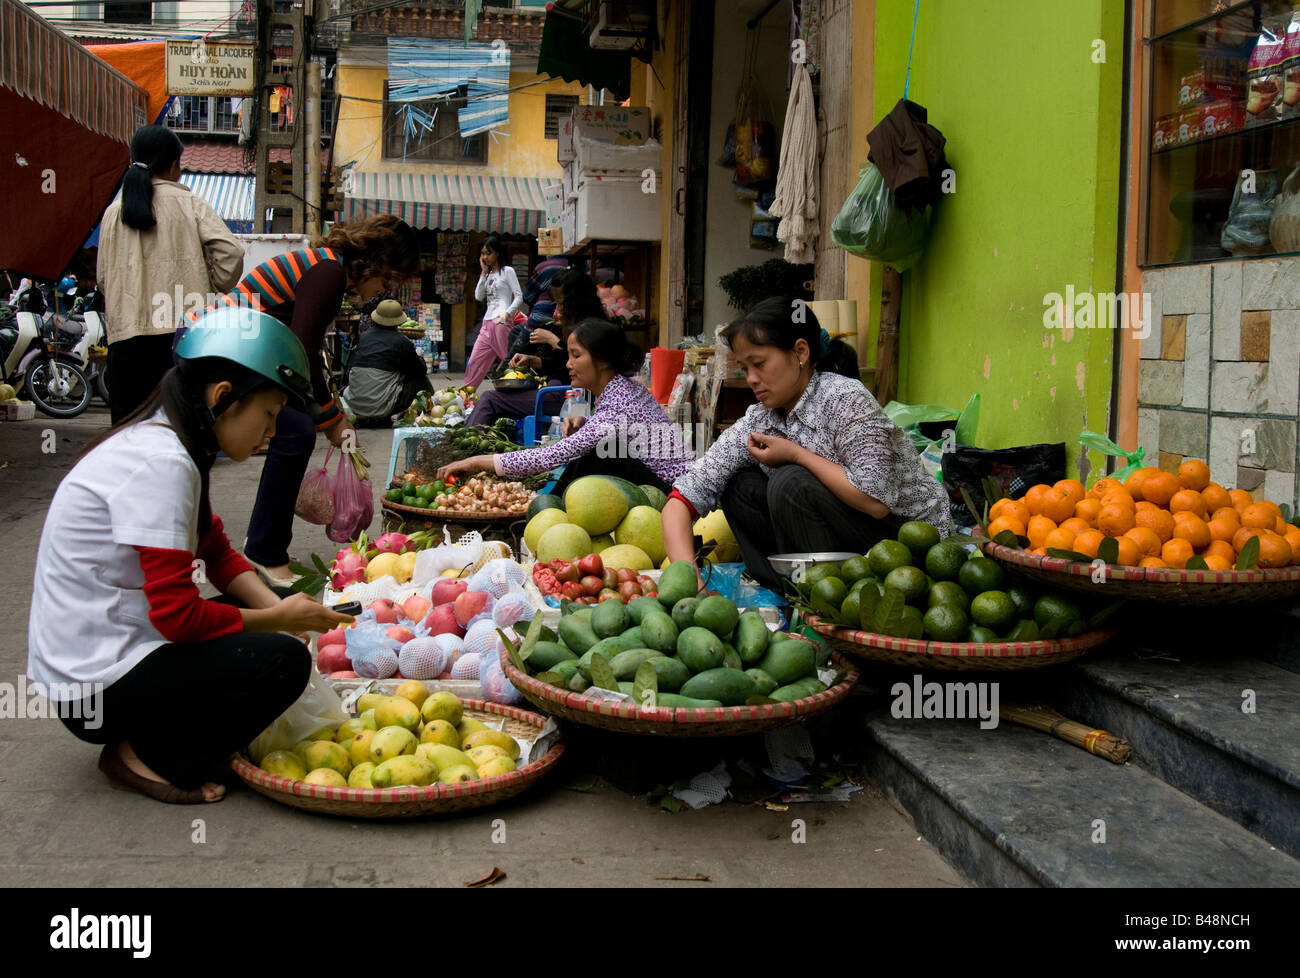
x,y
620,25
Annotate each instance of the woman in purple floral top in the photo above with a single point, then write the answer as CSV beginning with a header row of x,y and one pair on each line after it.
x,y
628,435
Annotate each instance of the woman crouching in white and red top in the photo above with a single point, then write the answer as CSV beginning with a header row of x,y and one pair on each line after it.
x,y
628,435
133,657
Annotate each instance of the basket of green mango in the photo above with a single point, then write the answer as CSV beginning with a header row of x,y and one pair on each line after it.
x,y
682,664
921,602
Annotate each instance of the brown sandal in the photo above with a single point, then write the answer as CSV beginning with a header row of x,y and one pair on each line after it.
x,y
118,772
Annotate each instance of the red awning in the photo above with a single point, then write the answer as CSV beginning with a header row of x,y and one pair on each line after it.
x,y
66,122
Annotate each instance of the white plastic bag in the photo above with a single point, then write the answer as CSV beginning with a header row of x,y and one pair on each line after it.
x,y
318,706
429,564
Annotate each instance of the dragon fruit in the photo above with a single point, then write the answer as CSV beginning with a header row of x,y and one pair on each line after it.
x,y
392,543
349,568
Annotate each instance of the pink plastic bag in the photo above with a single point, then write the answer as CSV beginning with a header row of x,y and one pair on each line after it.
x,y
316,495
354,502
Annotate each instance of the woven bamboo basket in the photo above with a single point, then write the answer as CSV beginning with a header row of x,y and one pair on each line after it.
x,y
1166,585
412,802
445,516
726,721
991,656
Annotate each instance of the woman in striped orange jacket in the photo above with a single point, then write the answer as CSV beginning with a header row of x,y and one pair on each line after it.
x,y
304,289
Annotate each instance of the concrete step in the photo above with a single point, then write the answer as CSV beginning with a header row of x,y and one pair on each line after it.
x,y
1015,807
1186,723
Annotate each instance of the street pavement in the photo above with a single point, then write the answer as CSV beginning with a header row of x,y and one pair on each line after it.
x,y
65,826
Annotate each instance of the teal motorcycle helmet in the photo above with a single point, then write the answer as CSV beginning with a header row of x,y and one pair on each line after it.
x,y
264,348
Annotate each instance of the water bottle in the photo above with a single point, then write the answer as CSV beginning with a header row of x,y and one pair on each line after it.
x,y
555,432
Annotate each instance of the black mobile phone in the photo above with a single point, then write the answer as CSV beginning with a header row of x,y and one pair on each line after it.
x,y
348,608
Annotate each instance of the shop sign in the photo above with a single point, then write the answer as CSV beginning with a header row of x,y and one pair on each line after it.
x,y
199,68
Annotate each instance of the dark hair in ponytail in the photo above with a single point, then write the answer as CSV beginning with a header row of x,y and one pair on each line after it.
x,y
180,396
782,321
608,344
158,149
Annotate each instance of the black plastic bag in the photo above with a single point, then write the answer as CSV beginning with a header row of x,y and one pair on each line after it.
x,y
1014,469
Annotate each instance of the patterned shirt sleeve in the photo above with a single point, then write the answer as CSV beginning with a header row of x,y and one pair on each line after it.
x,y
579,443
863,440
704,482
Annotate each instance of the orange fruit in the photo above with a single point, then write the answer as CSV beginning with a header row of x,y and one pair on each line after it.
x,y
1222,529
1142,504
1076,524
1271,505
1274,551
998,506
1058,505
1216,497
1006,523
1241,536
1158,520
1217,563
1087,542
1188,501
1220,548
1194,474
1103,486
1033,499
1293,538
1115,521
1073,488
1227,513
1160,487
1258,516
1128,554
1195,531
1087,509
1017,511
1040,551
1134,482
1152,562
1037,529
1279,526
1148,543
1060,539
1176,553
1119,498
1240,499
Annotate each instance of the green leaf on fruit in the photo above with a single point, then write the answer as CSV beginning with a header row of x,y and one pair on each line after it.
x,y
645,686
602,674
981,518
963,539
759,701
531,637
887,619
993,490
1109,550
1248,559
1008,538
320,565
513,652
1052,628
551,679
1067,554
1286,511
868,600
1196,562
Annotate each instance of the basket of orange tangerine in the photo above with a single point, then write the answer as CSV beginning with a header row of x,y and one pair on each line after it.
x,y
1178,538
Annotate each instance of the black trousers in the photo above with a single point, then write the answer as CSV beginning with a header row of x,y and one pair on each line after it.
x,y
186,707
631,469
793,512
270,526
134,369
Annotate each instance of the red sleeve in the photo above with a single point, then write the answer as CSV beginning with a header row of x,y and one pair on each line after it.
x,y
222,563
677,495
175,607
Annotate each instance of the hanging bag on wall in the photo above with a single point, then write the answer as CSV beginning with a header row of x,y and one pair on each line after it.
x,y
1284,225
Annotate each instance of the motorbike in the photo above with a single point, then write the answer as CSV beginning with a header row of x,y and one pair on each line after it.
x,y
92,347
35,352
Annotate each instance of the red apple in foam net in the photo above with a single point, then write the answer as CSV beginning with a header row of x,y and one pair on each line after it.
x,y
442,621
344,674
449,589
416,607
399,632
334,636
386,611
333,658
468,605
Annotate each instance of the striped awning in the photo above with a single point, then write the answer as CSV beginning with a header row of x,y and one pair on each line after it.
x,y
45,66
506,205
230,195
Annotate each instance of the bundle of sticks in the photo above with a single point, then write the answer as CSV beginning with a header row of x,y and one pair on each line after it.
x,y
1042,717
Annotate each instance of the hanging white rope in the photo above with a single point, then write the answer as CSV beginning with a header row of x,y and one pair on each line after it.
x,y
796,183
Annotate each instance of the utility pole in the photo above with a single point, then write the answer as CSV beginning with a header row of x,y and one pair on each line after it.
x,y
275,193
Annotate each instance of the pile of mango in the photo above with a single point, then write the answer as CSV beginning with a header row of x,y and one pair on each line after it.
x,y
411,738
679,649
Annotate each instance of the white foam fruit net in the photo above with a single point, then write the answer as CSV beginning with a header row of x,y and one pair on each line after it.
x,y
466,667
422,658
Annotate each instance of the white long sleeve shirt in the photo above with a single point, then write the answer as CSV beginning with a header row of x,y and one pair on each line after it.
x,y
501,291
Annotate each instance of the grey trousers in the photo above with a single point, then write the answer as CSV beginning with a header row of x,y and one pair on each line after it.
x,y
793,512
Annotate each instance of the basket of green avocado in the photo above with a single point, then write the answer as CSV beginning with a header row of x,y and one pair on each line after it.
x,y
683,664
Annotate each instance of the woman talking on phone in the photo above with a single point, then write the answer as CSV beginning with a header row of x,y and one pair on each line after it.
x,y
498,285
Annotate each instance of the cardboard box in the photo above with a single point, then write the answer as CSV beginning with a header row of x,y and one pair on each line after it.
x,y
17,410
1166,131
1223,116
1189,126
550,241
617,210
1214,79
569,226
616,124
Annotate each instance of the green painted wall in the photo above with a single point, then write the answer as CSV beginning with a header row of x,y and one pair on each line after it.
x,y
1033,128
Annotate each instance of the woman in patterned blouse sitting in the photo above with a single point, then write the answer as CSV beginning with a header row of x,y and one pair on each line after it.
x,y
628,435
813,466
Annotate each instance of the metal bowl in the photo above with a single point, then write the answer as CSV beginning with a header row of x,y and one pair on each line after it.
x,y
786,564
